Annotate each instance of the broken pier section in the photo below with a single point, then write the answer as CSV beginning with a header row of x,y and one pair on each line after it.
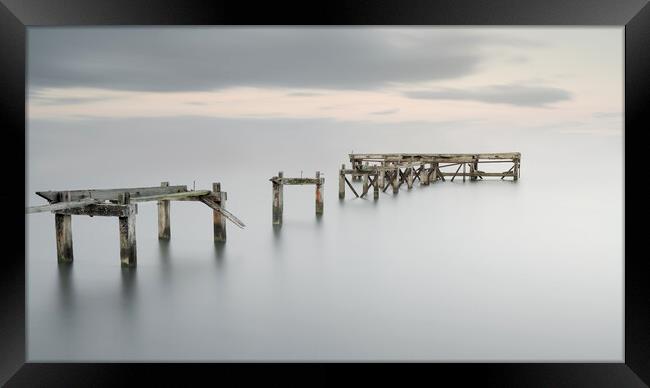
x,y
280,181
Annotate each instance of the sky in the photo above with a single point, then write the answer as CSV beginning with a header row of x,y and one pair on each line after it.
x,y
566,79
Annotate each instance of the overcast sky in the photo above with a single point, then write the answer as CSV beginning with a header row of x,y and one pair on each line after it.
x,y
567,78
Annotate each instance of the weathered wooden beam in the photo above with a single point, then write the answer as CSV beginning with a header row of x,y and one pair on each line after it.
x,y
456,173
503,175
218,219
101,209
365,186
128,246
319,193
111,194
164,224
299,181
211,202
63,228
171,197
351,187
60,206
277,199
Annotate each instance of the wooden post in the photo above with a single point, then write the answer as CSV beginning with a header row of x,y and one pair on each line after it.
x,y
516,170
218,220
474,168
409,177
128,251
434,174
342,182
396,181
376,185
277,200
464,165
365,184
319,195
164,225
63,227
380,177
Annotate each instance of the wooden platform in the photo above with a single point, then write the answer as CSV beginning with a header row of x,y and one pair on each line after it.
x,y
122,203
381,171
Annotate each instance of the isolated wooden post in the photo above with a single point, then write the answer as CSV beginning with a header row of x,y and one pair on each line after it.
x,y
342,182
128,251
319,194
164,225
277,200
218,220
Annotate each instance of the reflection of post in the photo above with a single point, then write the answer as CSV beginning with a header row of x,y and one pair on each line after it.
x,y
218,220
164,228
128,252
277,200
319,194
342,182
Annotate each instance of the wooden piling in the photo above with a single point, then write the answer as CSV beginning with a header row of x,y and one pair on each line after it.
x,y
218,220
319,195
164,225
342,182
516,170
128,251
63,227
409,178
365,185
376,185
277,200
396,181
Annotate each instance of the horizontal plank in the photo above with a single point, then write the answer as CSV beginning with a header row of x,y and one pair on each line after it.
x,y
110,194
101,209
60,206
298,181
432,157
172,197
510,173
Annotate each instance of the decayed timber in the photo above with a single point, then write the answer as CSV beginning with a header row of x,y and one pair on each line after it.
x,y
60,206
384,170
128,246
63,228
164,224
121,203
111,194
278,182
218,218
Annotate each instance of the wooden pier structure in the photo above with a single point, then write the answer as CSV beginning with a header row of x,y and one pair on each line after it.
x,y
280,181
122,203
381,171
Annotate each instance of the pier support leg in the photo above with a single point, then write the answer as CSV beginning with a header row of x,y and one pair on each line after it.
x,y
396,181
164,226
434,174
473,168
516,170
128,251
342,182
365,185
409,177
277,201
376,186
319,195
63,226
218,220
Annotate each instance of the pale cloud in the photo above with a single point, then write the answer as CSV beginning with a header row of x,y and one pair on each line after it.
x,y
513,94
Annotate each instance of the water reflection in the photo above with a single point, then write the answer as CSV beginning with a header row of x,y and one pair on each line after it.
x,y
65,287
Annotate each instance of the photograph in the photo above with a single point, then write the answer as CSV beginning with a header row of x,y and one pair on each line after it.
x,y
325,193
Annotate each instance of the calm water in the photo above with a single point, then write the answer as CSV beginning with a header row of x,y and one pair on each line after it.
x,y
488,270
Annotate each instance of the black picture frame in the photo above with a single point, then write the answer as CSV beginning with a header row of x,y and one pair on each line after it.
x,y
17,15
